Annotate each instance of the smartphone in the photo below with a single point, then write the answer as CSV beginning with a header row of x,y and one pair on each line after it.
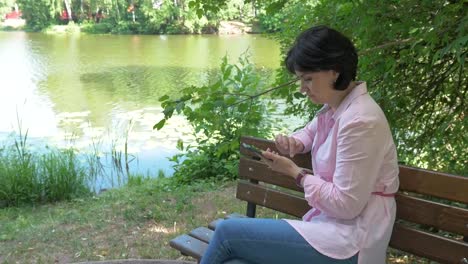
x,y
254,150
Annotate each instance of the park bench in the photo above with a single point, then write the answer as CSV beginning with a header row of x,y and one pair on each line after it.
x,y
432,207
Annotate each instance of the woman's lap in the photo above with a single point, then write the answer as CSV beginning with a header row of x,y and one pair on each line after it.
x,y
253,240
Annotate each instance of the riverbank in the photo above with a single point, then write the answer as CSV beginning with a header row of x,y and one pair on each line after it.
x,y
224,28
12,24
135,221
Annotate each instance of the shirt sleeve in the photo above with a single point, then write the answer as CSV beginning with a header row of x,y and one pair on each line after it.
x,y
306,135
359,157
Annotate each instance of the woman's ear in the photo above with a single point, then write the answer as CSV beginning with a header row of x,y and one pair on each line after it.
x,y
335,76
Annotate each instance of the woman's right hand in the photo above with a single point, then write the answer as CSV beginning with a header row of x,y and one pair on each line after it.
x,y
288,145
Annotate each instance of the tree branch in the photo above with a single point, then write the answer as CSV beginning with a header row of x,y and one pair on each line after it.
x,y
386,45
264,92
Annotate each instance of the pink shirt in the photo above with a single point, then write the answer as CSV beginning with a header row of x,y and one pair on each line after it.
x,y
353,157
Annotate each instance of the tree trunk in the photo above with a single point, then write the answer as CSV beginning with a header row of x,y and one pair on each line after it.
x,y
117,8
254,6
69,11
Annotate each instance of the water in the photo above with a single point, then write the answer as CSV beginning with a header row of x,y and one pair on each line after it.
x,y
95,92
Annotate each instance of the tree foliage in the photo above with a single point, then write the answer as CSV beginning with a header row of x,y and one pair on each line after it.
x,y
412,54
219,118
131,16
39,14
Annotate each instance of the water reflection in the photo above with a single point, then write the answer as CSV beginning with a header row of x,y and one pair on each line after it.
x,y
103,90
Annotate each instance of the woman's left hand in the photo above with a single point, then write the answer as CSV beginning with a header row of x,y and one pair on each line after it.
x,y
280,164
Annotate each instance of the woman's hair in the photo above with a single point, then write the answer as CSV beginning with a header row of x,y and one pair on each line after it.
x,y
321,48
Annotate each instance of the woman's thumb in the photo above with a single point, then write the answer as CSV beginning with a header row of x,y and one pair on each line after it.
x,y
268,154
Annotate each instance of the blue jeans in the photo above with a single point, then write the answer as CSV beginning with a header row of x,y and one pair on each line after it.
x,y
253,240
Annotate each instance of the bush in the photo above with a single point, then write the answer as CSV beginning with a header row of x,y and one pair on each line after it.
x,y
126,27
220,114
100,28
38,14
271,22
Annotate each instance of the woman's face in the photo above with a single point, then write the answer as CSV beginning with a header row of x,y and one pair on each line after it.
x,y
318,86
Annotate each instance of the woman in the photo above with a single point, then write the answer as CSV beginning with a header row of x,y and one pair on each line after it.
x,y
355,170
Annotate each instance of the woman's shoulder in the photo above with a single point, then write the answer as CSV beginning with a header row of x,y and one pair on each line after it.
x,y
364,110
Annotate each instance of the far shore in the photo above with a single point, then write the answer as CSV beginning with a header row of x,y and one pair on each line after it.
x,y
225,28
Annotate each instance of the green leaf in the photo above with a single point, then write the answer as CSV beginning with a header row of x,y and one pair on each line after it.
x,y
199,13
180,144
160,124
298,95
231,100
227,72
179,107
243,107
168,111
163,98
192,4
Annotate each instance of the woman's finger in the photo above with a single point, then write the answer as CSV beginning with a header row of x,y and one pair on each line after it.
x,y
268,157
298,146
292,146
283,142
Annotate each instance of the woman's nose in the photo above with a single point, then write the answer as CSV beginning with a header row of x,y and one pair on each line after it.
x,y
303,88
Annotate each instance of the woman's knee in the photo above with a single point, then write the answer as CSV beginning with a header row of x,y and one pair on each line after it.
x,y
228,228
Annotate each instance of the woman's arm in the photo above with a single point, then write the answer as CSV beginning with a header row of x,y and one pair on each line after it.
x,y
306,135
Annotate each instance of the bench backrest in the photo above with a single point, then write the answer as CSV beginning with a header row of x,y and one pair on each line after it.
x,y
432,207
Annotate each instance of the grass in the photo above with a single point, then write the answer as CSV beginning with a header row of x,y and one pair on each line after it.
x,y
132,222
135,221
27,177
35,177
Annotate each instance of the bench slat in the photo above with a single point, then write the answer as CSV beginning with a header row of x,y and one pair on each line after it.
x,y
235,215
202,233
272,199
189,246
256,170
428,245
303,160
196,243
205,234
445,217
212,225
433,183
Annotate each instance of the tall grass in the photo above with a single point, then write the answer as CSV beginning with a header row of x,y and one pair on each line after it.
x,y
121,158
28,177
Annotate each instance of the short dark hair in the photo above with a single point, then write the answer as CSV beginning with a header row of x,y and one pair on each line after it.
x,y
321,48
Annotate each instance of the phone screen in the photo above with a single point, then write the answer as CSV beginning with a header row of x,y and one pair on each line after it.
x,y
253,149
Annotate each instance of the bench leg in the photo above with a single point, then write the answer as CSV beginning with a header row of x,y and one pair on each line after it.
x,y
251,209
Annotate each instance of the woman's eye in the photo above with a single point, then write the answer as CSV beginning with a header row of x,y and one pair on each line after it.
x,y
305,80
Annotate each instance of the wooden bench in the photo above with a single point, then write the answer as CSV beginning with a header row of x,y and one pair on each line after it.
x,y
432,210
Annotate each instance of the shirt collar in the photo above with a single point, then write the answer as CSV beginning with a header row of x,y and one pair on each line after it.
x,y
358,90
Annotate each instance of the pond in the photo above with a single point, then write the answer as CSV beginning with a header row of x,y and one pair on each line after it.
x,y
96,92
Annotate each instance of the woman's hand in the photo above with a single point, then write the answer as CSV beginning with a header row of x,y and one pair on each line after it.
x,y
280,164
288,145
